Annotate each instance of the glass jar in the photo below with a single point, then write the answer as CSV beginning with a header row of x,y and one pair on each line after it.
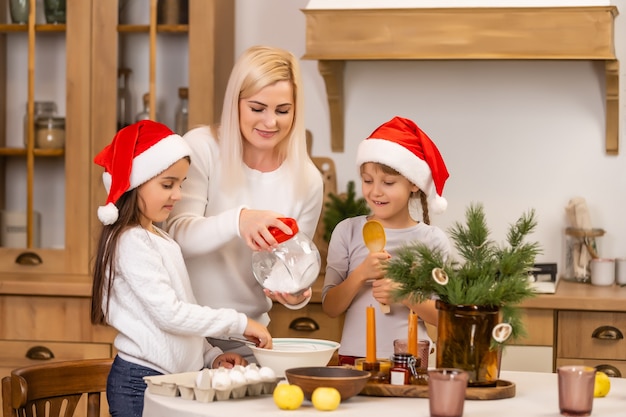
x,y
145,113
50,132
402,369
54,11
581,246
182,111
124,98
41,109
293,266
19,11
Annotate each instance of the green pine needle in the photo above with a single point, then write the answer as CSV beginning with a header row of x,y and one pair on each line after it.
x,y
489,274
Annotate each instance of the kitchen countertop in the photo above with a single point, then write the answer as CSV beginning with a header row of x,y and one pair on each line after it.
x,y
536,395
580,296
568,296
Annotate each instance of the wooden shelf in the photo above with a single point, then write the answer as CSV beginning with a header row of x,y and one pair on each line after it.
x,y
480,33
9,28
36,152
159,28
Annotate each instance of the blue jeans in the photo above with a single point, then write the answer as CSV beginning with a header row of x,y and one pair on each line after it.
x,y
126,388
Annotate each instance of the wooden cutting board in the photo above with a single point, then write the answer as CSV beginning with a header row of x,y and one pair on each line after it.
x,y
503,389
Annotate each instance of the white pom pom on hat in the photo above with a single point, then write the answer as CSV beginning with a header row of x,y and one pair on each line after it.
x,y
402,145
138,153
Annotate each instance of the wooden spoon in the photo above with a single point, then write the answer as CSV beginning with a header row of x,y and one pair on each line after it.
x,y
374,238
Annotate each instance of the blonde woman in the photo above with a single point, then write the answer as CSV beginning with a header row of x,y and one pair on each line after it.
x,y
246,173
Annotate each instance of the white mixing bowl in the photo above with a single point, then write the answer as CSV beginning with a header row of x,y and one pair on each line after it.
x,y
295,353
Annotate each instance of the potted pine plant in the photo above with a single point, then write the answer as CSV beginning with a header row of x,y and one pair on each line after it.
x,y
477,297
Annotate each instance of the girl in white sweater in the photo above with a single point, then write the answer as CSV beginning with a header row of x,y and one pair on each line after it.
x,y
141,286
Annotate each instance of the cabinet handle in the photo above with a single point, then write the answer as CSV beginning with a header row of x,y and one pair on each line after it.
x,y
607,333
29,259
40,353
304,324
610,370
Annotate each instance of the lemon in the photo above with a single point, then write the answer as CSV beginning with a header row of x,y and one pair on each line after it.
x,y
288,396
325,398
602,385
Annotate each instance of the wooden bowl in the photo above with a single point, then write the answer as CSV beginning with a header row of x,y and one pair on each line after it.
x,y
349,382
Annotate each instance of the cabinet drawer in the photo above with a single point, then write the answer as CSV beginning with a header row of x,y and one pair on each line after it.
x,y
612,368
591,335
310,321
59,319
13,353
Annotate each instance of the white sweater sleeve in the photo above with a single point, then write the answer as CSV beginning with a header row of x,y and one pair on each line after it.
x,y
187,224
165,297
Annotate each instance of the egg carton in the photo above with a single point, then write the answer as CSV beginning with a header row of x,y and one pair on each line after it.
x,y
187,387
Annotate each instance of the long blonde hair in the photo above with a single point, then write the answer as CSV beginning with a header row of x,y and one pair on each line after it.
x,y
256,68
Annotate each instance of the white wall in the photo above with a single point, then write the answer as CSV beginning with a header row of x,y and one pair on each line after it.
x,y
515,134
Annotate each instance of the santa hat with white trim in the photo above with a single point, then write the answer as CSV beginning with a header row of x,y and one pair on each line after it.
x,y
138,153
403,146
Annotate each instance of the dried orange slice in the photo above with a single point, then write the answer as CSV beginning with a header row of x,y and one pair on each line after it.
x,y
440,276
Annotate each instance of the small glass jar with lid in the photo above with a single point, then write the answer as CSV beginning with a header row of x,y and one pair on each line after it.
x,y
50,132
403,370
43,109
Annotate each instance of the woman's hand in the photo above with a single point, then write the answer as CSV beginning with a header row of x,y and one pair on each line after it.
x,y
286,298
258,333
254,228
228,360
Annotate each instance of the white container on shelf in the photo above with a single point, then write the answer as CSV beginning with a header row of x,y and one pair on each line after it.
x,y
13,229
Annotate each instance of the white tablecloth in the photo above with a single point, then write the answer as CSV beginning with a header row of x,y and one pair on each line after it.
x,y
536,396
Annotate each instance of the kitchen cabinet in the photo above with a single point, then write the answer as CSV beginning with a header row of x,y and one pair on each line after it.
x,y
589,323
45,284
76,65
534,352
46,186
598,340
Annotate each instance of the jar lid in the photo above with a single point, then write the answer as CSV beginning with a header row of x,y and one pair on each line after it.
x,y
281,236
47,121
401,357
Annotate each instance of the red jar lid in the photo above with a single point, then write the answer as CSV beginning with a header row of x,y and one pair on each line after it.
x,y
281,236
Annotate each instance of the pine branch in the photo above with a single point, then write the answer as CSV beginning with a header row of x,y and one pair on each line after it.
x,y
489,274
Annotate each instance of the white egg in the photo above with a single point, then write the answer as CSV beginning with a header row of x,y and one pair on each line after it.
x,y
267,374
237,377
252,374
239,368
203,380
221,380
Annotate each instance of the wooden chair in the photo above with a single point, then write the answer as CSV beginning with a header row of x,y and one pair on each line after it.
x,y
57,385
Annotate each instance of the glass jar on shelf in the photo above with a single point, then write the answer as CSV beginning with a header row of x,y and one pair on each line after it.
x,y
19,11
50,132
54,11
182,111
124,98
145,113
43,109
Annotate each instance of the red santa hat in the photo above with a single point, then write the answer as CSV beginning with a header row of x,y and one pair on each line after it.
x,y
403,146
138,153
